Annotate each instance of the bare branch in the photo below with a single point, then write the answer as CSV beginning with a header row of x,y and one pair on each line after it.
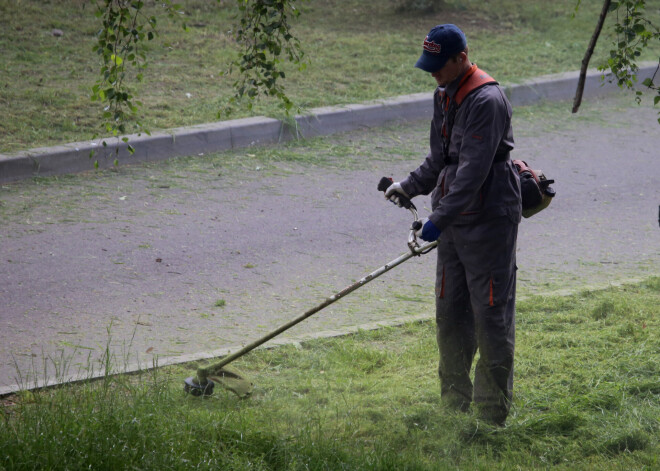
x,y
587,56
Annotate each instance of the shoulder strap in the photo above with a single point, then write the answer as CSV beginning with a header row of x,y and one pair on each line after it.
x,y
474,78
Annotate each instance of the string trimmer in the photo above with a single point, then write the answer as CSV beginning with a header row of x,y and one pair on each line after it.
x,y
203,383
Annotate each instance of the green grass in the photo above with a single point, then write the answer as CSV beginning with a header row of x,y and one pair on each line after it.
x,y
357,51
587,396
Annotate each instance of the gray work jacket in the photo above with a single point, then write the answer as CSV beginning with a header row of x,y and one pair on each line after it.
x,y
471,185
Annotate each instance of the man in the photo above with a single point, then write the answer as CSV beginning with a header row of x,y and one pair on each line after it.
x,y
476,208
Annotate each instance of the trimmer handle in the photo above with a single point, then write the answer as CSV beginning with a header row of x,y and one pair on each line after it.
x,y
385,183
413,245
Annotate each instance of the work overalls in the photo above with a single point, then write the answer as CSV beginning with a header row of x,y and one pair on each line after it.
x,y
476,204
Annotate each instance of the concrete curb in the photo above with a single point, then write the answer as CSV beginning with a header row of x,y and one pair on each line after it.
x,y
240,133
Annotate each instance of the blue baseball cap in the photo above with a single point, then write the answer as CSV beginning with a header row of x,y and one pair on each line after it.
x,y
442,42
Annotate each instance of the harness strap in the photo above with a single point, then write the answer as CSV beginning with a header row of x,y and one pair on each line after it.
x,y
474,78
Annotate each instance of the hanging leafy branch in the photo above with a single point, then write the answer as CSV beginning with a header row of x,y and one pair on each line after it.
x,y
124,30
634,32
263,32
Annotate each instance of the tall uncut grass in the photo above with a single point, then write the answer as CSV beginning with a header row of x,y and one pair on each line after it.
x,y
587,396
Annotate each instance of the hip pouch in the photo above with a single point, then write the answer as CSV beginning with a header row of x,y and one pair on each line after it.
x,y
535,188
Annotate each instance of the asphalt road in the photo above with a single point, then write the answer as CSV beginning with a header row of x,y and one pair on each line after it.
x,y
196,255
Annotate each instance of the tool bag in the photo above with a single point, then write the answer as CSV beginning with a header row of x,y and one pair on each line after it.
x,y
535,189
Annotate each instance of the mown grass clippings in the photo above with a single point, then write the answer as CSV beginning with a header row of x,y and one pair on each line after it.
x,y
96,196
371,401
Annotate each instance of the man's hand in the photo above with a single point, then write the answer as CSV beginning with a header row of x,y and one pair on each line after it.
x,y
393,192
428,232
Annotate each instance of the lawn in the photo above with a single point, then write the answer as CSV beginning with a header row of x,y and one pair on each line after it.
x,y
355,50
587,397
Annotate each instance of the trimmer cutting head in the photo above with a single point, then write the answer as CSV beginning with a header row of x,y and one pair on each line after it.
x,y
204,382
191,386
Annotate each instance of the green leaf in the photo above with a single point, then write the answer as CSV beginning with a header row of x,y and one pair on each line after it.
x,y
639,28
116,59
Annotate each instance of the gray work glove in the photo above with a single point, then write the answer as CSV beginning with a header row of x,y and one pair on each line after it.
x,y
393,192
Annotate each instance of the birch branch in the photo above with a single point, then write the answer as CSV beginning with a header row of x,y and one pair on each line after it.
x,y
587,56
